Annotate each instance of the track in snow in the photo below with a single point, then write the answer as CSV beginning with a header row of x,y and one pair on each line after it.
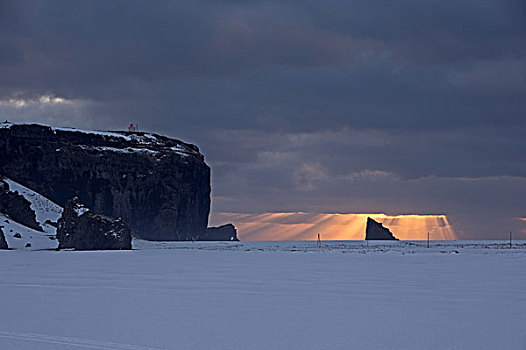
x,y
84,343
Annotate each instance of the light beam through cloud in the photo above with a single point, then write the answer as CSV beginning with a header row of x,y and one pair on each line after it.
x,y
306,226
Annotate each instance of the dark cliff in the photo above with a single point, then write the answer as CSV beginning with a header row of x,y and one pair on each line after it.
x,y
376,231
159,186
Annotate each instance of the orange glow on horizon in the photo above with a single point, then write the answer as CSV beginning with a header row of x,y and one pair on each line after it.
x,y
523,230
306,226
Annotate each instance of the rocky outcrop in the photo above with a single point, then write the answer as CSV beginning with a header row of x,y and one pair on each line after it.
x,y
159,186
3,242
81,229
376,231
17,207
226,232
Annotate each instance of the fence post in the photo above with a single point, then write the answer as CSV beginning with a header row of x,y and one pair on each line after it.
x,y
428,239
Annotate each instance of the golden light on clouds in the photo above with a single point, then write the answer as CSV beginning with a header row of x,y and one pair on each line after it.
x,y
41,100
306,226
48,99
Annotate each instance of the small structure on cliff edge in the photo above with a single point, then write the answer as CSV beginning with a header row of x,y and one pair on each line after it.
x,y
3,242
81,229
376,231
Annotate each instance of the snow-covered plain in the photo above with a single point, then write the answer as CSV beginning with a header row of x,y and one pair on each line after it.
x,y
266,295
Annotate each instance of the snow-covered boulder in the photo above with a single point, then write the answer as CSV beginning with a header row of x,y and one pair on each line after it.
x,y
81,229
376,231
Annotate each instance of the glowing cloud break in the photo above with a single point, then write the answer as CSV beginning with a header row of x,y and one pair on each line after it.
x,y
306,226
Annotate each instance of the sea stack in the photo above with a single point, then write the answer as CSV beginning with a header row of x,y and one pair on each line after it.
x,y
376,231
81,229
3,242
226,232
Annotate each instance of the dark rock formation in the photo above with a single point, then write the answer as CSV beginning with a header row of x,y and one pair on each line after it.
x,y
3,242
376,231
17,207
81,229
159,186
226,232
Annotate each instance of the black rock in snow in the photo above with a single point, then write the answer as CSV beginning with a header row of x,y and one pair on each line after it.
x,y
81,229
17,207
3,242
226,232
159,186
376,231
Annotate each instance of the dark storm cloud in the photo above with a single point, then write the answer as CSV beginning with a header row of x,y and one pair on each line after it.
x,y
298,105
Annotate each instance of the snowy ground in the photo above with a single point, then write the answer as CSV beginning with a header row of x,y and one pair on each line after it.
x,y
22,237
44,208
266,295
19,236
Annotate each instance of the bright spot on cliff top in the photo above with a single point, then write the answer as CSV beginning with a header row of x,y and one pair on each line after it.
x,y
306,226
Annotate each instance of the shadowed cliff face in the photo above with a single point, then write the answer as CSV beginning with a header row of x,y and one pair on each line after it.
x,y
159,186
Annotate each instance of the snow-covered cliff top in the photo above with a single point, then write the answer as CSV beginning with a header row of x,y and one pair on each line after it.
x,y
120,141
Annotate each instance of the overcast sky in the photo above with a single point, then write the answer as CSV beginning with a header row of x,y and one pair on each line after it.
x,y
404,107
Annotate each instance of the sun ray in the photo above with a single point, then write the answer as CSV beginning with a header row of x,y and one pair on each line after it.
x,y
334,226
